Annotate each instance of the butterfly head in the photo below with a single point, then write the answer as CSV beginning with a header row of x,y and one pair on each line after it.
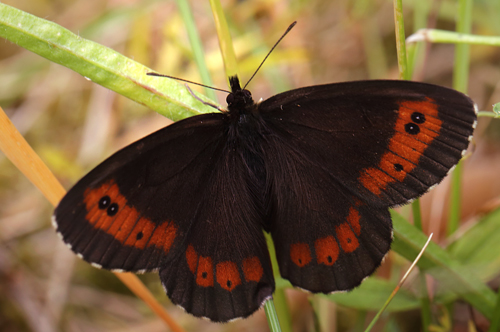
x,y
239,99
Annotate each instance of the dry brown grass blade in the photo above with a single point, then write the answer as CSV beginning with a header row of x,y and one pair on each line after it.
x,y
15,147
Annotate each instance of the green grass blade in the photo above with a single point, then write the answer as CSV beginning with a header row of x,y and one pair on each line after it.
x,y
282,309
99,64
460,82
495,322
225,41
416,52
196,46
425,303
462,51
452,37
272,317
417,214
400,40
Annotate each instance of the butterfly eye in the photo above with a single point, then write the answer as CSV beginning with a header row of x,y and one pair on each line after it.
x,y
230,98
247,94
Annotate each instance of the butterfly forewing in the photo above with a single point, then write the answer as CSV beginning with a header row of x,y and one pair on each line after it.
x,y
385,142
116,214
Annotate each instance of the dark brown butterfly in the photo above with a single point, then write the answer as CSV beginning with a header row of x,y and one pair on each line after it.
x,y
318,168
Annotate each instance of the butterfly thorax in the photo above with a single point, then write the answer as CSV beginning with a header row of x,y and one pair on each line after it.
x,y
246,126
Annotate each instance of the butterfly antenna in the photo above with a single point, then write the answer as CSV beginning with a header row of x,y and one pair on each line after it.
x,y
269,53
183,80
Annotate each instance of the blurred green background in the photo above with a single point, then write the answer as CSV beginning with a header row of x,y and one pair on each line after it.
x,y
73,124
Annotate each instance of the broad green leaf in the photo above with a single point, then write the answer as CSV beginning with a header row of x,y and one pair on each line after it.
x,y
99,64
373,293
479,247
436,261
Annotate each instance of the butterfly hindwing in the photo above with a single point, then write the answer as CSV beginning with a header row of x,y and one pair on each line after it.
x,y
226,251
325,239
176,201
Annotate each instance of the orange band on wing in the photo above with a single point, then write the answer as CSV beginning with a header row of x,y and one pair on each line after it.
x,y
227,273
416,127
107,210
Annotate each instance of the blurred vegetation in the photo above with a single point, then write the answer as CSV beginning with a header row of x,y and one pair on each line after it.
x,y
73,124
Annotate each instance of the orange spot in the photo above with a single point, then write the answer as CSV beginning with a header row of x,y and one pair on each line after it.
x,y
300,254
191,258
91,199
205,273
353,220
252,269
375,180
126,226
327,250
139,237
404,149
387,165
95,214
228,276
201,266
164,236
124,223
347,239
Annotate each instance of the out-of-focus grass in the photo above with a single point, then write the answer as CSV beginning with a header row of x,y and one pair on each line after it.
x,y
73,125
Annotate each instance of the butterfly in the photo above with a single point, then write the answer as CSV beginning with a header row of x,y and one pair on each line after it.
x,y
317,167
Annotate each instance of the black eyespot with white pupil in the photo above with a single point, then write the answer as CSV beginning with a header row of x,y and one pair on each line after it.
x,y
412,128
418,117
104,202
112,209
